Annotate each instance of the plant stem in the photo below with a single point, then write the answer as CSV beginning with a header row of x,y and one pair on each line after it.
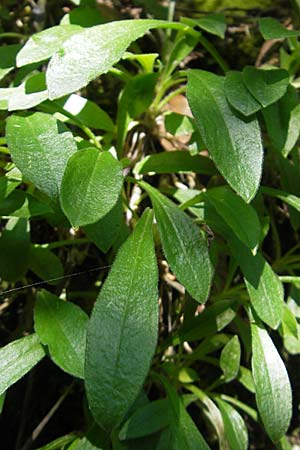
x,y
59,244
289,279
13,35
214,53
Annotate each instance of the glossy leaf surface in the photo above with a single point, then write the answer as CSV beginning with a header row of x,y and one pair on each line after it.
x,y
235,145
183,244
62,327
91,186
123,328
17,358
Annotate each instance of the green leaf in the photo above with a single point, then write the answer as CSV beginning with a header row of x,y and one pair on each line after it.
x,y
43,45
290,199
282,120
146,420
272,29
185,435
235,427
84,16
213,319
230,359
273,391
246,379
175,161
45,264
30,93
267,86
213,24
235,145
239,216
81,111
14,249
8,58
122,332
2,399
263,285
17,358
104,232
100,48
183,244
238,95
40,147
212,415
91,186
62,327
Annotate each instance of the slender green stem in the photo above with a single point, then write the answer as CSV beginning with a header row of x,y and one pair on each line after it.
x,y
289,279
58,244
13,35
173,94
214,53
91,135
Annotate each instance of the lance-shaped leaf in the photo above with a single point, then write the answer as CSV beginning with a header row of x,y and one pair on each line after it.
x,y
184,433
176,161
42,45
235,427
147,420
183,244
91,186
235,144
230,359
100,47
267,86
272,29
40,146
238,95
122,332
239,216
17,358
263,285
62,327
273,391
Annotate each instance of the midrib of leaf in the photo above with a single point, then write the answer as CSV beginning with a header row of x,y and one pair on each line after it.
x,y
127,303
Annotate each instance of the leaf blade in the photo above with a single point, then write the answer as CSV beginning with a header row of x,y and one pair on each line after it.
x,y
241,168
130,315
